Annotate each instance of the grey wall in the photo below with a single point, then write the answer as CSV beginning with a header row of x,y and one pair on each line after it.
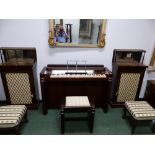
x,y
119,34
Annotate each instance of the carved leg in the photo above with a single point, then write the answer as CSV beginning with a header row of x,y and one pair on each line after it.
x,y
62,121
153,127
89,120
105,109
45,111
92,120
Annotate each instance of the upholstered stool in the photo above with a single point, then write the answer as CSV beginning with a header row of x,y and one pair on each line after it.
x,y
11,117
140,111
77,104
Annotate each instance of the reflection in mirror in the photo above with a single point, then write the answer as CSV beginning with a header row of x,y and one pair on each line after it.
x,y
86,31
77,32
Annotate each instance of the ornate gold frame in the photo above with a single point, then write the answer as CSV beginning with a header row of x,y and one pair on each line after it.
x,y
152,62
101,42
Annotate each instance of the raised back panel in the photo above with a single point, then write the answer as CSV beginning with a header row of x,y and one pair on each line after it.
x,y
128,87
19,88
127,55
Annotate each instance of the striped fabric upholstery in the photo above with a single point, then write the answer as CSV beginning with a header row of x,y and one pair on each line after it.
x,y
140,110
77,101
11,115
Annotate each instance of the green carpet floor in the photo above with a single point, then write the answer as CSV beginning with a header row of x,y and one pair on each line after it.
x,y
110,123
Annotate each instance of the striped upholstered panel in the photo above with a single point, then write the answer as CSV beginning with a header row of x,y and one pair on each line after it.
x,y
11,115
140,110
77,101
19,88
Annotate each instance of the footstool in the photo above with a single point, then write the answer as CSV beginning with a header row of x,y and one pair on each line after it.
x,y
11,117
76,104
140,111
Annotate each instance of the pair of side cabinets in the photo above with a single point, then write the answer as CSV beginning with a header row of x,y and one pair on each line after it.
x,y
19,75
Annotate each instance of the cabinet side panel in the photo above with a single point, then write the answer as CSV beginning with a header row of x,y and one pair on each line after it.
x,y
128,87
19,88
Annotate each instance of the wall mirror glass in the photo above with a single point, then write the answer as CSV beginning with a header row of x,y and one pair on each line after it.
x,y
77,32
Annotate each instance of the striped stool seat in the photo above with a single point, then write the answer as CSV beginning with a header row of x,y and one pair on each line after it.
x,y
77,101
140,111
11,116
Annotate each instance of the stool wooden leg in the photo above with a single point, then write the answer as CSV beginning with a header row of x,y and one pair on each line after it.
x,y
17,131
92,120
62,121
89,120
124,113
153,127
25,118
134,124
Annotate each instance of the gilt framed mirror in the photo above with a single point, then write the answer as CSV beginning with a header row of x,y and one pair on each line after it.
x,y
152,62
86,33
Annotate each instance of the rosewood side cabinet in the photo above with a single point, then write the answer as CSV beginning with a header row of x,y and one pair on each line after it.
x,y
19,76
128,72
150,92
